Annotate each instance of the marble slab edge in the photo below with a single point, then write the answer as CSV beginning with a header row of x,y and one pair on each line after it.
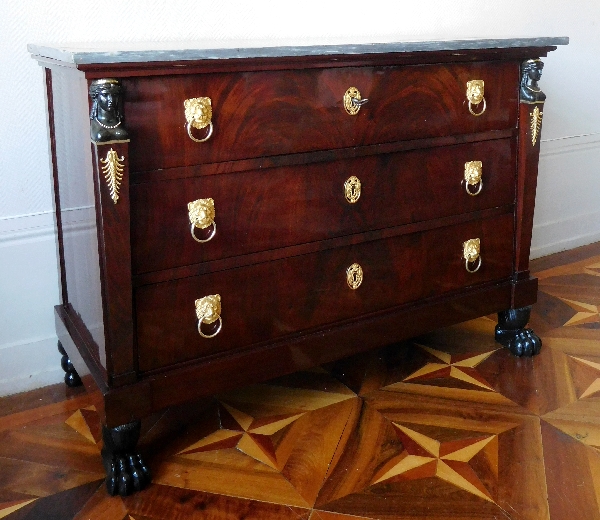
x,y
177,51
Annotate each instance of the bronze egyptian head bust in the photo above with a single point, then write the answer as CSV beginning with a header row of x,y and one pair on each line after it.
x,y
106,114
531,72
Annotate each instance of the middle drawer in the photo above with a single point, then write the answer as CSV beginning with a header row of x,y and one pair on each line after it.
x,y
261,210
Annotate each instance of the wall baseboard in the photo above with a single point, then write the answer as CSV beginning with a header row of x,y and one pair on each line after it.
x,y
568,233
566,212
37,226
575,143
29,287
30,365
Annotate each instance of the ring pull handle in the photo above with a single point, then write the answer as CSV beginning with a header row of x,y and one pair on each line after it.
x,y
473,180
208,310
475,91
202,215
353,101
198,114
471,249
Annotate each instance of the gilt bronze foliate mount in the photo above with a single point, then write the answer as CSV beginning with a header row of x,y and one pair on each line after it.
x,y
112,168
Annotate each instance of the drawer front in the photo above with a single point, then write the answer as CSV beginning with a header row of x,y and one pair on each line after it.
x,y
279,207
274,299
256,114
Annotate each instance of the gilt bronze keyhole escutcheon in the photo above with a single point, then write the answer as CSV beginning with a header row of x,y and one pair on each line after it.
x,y
353,101
352,189
354,276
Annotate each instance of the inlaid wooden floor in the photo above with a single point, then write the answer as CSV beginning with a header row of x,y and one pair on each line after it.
x,y
445,426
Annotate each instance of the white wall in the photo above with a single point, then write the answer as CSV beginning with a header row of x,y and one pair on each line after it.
x,y
567,205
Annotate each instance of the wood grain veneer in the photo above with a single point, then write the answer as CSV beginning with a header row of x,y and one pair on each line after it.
x,y
261,209
281,112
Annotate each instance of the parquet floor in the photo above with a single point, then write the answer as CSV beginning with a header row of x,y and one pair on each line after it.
x,y
445,426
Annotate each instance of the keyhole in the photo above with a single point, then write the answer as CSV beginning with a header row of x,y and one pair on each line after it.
x,y
354,276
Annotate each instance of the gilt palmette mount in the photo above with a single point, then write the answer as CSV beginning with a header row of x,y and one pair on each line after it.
x,y
535,124
113,173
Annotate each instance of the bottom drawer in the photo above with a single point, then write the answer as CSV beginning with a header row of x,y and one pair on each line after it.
x,y
269,300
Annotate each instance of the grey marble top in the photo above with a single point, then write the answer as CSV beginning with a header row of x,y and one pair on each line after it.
x,y
119,52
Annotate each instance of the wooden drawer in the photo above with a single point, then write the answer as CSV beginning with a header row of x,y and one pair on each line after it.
x,y
278,207
269,300
288,111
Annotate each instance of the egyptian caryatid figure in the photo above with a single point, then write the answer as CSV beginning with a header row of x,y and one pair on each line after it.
x,y
106,115
531,72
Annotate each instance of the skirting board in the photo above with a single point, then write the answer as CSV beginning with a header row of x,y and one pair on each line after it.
x,y
564,234
29,289
566,208
29,365
567,216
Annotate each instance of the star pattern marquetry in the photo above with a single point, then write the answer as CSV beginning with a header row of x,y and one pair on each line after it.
x,y
449,429
11,507
250,435
425,457
584,432
454,366
586,313
594,388
85,421
593,269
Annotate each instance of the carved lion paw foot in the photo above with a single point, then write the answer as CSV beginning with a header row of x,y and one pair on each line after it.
x,y
511,332
126,474
525,343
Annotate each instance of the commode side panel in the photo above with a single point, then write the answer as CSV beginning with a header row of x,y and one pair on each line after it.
x,y
77,203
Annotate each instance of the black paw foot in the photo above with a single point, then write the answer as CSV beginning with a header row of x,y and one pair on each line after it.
x,y
72,378
525,343
511,332
126,474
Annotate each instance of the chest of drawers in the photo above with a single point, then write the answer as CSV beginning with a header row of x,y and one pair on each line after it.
x,y
245,213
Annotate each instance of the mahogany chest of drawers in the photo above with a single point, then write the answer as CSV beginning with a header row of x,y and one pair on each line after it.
x,y
245,213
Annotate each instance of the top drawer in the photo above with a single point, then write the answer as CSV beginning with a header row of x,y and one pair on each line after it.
x,y
263,113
